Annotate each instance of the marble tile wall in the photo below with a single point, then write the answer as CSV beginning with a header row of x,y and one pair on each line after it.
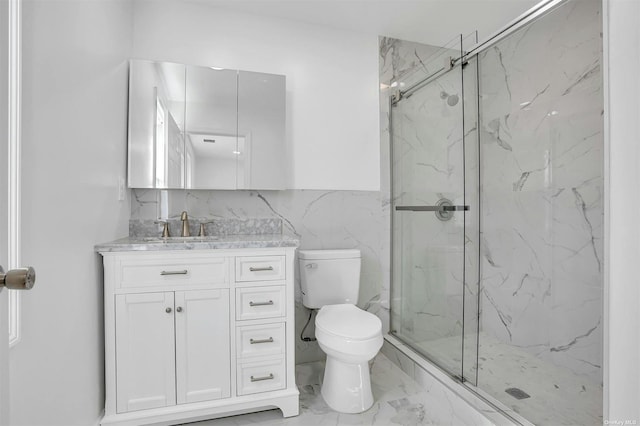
x,y
453,400
320,219
542,188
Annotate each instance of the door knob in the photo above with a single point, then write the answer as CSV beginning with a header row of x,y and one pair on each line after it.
x,y
18,279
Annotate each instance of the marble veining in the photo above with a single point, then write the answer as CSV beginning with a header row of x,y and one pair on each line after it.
x,y
558,396
213,226
542,179
399,400
196,243
428,163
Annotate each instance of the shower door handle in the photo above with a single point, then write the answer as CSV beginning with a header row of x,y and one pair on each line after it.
x,y
444,209
433,208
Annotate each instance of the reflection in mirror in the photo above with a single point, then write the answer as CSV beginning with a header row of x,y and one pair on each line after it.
x,y
261,131
212,159
211,143
205,128
156,125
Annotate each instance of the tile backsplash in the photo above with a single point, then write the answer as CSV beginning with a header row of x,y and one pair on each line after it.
x,y
219,226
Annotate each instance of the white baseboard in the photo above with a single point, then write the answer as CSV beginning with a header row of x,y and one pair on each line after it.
x,y
99,419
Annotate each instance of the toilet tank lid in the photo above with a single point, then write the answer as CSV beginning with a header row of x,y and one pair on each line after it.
x,y
329,254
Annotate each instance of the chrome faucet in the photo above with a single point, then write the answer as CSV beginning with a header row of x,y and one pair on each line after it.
x,y
185,224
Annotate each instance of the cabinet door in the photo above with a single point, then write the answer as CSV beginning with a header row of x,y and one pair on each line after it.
x,y
145,356
203,360
261,131
156,125
211,127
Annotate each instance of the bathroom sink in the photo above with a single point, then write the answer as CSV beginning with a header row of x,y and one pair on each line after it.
x,y
161,240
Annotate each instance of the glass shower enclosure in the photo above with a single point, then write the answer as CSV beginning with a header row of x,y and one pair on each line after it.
x,y
432,212
497,215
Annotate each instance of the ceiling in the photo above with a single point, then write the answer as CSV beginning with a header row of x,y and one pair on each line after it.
x,y
427,21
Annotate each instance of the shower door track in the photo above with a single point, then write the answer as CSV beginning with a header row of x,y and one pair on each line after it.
x,y
513,26
524,19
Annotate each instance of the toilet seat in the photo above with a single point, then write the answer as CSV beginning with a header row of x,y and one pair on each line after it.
x,y
349,322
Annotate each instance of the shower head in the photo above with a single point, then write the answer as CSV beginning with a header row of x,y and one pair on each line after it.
x,y
451,99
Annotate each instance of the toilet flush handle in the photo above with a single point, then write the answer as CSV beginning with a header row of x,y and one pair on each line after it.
x,y
311,265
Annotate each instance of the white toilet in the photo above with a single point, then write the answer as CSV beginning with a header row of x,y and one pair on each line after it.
x,y
330,281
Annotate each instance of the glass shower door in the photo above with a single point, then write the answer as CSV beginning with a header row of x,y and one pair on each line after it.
x,y
428,214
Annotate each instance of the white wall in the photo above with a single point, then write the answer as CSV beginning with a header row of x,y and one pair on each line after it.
x,y
622,88
74,148
332,93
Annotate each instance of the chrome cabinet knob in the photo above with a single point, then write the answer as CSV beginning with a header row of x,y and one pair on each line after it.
x,y
168,310
18,279
179,309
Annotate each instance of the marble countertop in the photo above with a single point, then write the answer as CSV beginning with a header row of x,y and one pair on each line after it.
x,y
198,243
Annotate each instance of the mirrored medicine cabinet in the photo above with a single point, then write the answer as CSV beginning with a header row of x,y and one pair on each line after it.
x,y
193,127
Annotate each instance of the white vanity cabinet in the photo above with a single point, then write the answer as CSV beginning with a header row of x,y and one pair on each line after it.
x,y
198,334
168,348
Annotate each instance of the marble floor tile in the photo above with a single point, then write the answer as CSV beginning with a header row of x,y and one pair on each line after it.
x,y
399,400
557,396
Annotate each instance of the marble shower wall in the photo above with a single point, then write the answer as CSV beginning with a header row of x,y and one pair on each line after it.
x,y
541,134
413,306
428,164
320,219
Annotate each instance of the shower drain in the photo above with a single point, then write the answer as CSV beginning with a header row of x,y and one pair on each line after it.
x,y
517,393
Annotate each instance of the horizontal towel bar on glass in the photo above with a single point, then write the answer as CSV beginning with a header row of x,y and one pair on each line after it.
x,y
432,208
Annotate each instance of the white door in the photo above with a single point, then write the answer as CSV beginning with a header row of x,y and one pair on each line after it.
x,y
4,113
145,356
16,279
4,360
203,359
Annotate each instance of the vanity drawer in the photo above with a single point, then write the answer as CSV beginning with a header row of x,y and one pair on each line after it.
x,y
260,340
260,302
261,376
260,268
174,270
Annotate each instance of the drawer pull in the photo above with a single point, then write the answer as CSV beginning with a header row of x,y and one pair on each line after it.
x,y
270,302
183,272
266,268
253,342
259,379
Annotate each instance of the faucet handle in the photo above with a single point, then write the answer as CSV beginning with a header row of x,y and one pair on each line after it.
x,y
165,229
203,232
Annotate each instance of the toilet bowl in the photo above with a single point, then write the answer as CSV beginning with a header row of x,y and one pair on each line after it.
x,y
350,337
330,282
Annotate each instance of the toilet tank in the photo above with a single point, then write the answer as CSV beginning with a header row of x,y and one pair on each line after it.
x,y
329,277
